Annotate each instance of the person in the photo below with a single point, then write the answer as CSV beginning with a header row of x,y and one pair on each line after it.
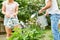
x,y
10,11
53,10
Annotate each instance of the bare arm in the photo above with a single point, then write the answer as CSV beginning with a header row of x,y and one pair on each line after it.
x,y
48,5
3,9
16,10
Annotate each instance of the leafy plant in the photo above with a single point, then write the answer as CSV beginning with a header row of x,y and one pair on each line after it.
x,y
28,7
29,33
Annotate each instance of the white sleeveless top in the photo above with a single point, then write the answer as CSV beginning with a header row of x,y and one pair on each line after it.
x,y
10,8
54,8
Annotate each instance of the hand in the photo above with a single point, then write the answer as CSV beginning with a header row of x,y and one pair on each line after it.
x,y
46,14
7,15
14,14
40,11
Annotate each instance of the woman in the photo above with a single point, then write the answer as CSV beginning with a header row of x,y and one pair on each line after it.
x,y
10,11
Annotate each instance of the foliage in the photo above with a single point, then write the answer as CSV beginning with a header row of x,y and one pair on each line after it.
x,y
1,15
58,3
28,7
32,32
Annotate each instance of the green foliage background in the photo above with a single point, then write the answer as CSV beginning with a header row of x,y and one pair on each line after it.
x,y
26,8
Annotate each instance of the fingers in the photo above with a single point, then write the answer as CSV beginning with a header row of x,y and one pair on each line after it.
x,y
7,15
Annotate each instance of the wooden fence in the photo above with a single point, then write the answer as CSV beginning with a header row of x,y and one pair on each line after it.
x,y
2,29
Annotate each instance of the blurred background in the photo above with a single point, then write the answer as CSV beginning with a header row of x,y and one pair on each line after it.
x,y
27,15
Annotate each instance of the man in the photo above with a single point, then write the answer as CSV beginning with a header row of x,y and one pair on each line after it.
x,y
52,9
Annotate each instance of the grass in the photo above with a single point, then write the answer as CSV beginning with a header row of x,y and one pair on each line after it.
x,y
47,35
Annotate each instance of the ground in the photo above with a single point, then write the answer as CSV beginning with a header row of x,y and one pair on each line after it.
x,y
46,36
3,37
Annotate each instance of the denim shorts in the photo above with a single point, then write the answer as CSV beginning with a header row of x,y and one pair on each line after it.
x,y
11,22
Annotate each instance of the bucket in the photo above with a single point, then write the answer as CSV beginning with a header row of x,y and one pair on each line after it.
x,y
42,21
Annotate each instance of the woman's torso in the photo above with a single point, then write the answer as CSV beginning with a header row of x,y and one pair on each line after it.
x,y
10,7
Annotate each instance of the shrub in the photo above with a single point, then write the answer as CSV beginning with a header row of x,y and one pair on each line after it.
x,y
30,33
28,7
